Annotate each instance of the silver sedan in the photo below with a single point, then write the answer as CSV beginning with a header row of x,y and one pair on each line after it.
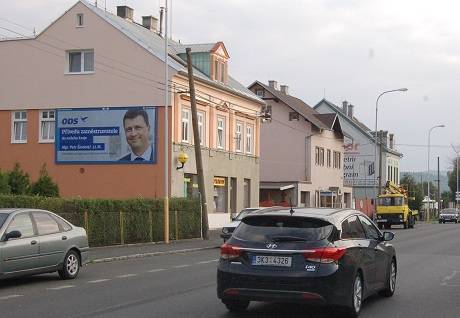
x,y
36,241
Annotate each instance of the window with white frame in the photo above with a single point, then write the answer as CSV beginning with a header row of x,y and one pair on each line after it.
x,y
80,61
249,139
80,20
239,137
185,125
220,132
19,126
47,125
201,127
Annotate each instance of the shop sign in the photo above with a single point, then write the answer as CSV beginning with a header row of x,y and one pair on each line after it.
x,y
219,182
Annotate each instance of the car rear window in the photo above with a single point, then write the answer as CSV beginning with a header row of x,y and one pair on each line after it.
x,y
3,217
266,228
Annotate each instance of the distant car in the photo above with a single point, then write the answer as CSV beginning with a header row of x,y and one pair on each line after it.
x,y
228,229
36,241
449,215
306,255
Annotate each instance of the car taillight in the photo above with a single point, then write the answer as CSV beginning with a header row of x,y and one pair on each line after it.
x,y
325,255
228,251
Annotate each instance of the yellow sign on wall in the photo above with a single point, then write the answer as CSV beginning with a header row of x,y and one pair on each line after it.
x,y
219,182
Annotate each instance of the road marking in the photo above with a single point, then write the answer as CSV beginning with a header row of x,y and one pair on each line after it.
x,y
61,287
127,275
156,270
207,262
450,276
10,296
98,281
181,266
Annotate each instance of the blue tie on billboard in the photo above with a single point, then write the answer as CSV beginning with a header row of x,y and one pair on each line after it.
x,y
106,135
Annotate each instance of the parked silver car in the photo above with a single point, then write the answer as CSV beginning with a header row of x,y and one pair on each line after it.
x,y
36,241
449,215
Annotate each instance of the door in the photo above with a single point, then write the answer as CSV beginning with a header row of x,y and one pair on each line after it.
x,y
52,242
20,254
233,191
381,256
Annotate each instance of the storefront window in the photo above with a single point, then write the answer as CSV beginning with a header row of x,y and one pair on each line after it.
x,y
220,194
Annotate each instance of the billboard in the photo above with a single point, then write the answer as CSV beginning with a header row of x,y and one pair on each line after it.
x,y
358,165
106,135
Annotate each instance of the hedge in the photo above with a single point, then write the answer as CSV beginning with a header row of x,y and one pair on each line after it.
x,y
111,222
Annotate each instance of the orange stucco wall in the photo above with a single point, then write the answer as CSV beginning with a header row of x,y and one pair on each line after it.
x,y
88,181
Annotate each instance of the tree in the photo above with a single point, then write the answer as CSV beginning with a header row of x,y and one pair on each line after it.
x,y
45,185
4,186
414,190
18,180
452,180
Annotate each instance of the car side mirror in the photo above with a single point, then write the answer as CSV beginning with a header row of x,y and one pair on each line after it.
x,y
12,235
388,236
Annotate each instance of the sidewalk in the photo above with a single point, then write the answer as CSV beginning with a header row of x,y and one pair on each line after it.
x,y
124,252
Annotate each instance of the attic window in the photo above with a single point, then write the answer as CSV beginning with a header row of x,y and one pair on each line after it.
x,y
293,116
260,92
220,71
79,20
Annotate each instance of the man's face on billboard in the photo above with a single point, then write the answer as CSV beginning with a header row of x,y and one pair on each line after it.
x,y
137,134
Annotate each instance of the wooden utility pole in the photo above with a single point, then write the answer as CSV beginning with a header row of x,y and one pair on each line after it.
x,y
196,138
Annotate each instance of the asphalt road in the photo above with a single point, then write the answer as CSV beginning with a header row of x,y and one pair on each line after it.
x,y
184,285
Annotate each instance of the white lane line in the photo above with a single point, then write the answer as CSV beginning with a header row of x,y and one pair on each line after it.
x,y
127,275
60,287
156,270
10,296
207,262
98,281
181,266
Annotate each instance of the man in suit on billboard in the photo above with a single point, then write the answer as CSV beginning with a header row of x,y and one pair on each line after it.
x,y
137,130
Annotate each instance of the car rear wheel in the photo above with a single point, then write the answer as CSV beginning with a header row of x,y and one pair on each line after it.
x,y
71,265
357,298
390,285
236,305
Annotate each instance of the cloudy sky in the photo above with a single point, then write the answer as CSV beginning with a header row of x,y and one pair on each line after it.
x,y
339,49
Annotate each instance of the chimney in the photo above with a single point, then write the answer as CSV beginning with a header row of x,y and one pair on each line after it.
x,y
392,141
285,89
345,107
150,23
125,12
273,84
350,111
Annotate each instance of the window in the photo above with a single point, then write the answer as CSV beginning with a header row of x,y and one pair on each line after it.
x,y
63,225
321,157
293,116
247,193
45,223
329,158
238,137
79,19
317,156
22,223
371,232
47,125
80,61
222,72
216,70
352,229
185,125
201,127
337,160
260,92
249,139
19,126
220,132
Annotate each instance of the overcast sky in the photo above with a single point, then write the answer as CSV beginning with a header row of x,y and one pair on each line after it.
x,y
339,49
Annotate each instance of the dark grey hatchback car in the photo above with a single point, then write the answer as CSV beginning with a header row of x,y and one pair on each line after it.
x,y
307,255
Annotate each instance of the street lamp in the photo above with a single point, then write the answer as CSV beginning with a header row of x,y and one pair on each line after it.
x,y
428,178
375,140
457,194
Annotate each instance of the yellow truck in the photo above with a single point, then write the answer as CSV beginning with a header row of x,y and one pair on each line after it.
x,y
393,208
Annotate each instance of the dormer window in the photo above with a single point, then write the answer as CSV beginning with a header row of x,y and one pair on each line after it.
x,y
220,71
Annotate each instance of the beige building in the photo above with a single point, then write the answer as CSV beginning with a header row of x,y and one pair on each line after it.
x,y
90,59
301,152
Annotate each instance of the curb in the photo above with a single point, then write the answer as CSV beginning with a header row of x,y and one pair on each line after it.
x,y
150,254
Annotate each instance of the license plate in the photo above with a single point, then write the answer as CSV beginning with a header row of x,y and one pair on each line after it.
x,y
381,220
270,260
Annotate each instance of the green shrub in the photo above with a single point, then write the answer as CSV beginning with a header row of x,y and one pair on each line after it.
x,y
44,185
4,186
18,180
142,218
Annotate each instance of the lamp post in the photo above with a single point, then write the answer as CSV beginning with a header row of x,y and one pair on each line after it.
x,y
428,178
457,194
375,140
